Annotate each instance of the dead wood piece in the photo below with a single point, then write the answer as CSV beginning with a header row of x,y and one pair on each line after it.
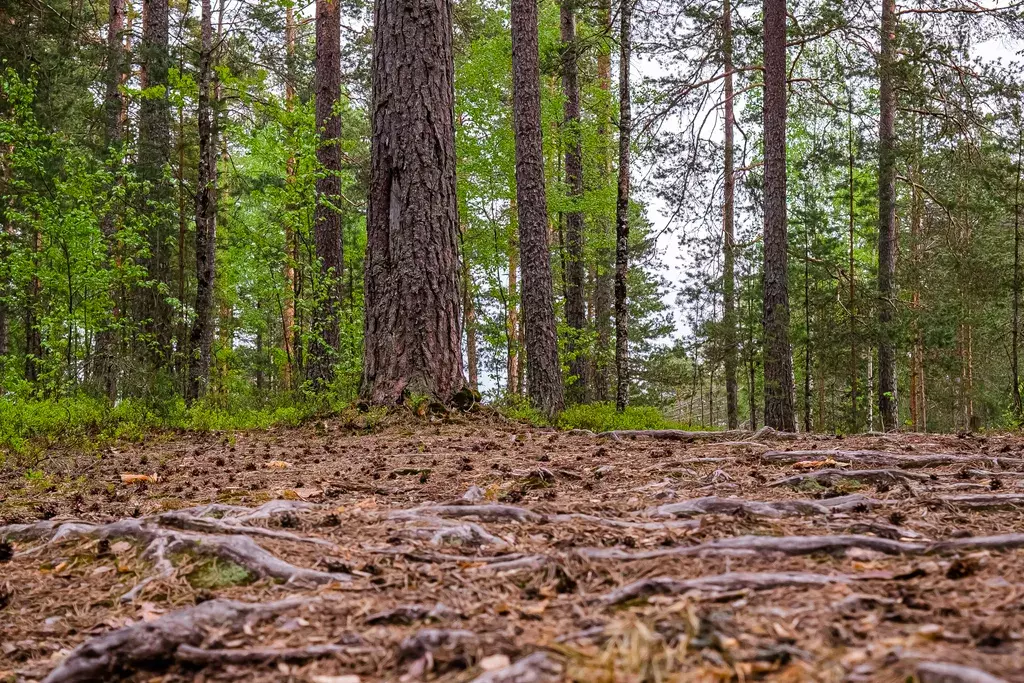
x,y
673,435
993,501
769,433
987,473
830,476
732,506
199,656
152,644
485,513
719,583
882,458
807,545
882,529
534,668
941,672
518,564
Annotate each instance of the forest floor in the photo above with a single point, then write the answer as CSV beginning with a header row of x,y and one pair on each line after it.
x,y
484,550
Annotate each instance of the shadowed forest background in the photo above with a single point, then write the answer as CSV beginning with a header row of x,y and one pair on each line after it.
x,y
181,244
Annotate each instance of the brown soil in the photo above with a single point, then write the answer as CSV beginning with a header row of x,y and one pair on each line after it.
x,y
437,592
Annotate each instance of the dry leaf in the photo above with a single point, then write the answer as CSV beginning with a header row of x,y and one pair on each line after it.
x,y
127,478
351,678
278,465
808,464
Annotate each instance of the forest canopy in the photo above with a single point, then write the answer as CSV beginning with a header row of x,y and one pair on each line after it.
x,y
245,208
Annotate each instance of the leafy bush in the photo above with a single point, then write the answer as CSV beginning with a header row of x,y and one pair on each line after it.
x,y
601,417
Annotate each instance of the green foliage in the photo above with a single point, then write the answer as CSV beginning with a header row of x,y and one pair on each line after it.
x,y
211,574
602,417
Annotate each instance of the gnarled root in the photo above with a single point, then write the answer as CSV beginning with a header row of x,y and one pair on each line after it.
x,y
719,583
153,643
940,672
830,476
785,508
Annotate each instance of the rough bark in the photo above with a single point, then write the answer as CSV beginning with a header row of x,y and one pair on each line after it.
x,y
104,367
469,311
622,211
575,310
778,360
887,406
545,378
326,219
851,307
728,230
201,336
412,327
154,154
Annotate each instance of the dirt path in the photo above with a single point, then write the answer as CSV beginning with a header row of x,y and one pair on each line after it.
x,y
494,552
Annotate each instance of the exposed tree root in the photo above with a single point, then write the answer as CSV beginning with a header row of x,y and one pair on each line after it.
x,y
993,501
807,545
160,542
719,583
940,672
831,476
511,513
674,435
881,458
535,668
150,644
485,513
199,656
787,508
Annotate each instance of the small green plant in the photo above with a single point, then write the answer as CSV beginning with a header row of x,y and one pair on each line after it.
x,y
216,573
602,417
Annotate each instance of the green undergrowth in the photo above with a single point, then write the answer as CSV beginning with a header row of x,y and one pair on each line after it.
x,y
597,417
214,573
30,425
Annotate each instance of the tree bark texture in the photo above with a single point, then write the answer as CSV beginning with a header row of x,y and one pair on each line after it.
x,y
1018,408
326,219
728,229
575,311
778,360
413,328
622,211
887,405
201,336
154,142
544,380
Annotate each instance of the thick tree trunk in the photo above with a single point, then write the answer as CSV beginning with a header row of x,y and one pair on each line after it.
x,y
154,142
778,359
326,220
413,327
604,278
728,230
887,405
575,311
104,367
201,336
545,377
622,211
